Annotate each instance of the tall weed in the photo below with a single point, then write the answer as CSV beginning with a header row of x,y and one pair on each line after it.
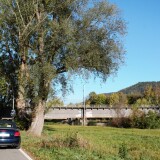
x,y
73,140
123,152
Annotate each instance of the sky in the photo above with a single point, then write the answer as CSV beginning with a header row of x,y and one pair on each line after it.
x,y
142,45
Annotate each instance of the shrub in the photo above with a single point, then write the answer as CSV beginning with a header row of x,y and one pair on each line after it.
x,y
138,119
23,123
141,120
121,122
92,123
70,141
151,120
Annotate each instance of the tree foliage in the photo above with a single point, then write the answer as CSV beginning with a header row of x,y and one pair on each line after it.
x,y
75,37
53,103
150,97
96,99
113,100
8,81
46,39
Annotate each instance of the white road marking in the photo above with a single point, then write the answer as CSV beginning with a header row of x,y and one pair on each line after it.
x,y
26,155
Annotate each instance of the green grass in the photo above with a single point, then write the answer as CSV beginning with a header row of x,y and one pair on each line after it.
x,y
63,142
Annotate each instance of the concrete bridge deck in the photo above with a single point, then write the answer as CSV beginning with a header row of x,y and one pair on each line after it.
x,y
93,112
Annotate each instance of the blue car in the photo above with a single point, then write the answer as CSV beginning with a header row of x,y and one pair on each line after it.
x,y
9,134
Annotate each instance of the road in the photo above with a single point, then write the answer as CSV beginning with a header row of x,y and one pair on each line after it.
x,y
13,154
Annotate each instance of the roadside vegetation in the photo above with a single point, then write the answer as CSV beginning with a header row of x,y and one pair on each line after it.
x,y
63,142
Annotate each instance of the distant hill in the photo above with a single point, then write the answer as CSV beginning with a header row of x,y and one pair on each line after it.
x,y
139,87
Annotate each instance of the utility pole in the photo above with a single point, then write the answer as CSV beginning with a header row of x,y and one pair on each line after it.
x,y
83,105
13,103
13,112
157,88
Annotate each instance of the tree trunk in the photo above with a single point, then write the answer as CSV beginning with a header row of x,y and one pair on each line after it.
x,y
38,119
38,115
21,99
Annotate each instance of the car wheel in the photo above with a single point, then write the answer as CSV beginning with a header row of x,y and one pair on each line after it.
x,y
17,147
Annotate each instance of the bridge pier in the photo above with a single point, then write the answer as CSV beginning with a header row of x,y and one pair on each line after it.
x,y
83,116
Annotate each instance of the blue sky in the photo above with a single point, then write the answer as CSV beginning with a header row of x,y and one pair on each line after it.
x,y
142,45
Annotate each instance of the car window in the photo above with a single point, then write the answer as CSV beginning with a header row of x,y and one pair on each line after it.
x,y
6,125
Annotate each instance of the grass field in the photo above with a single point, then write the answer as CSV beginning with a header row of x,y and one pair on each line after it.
x,y
63,142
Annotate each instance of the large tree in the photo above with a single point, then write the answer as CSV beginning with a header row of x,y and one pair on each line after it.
x,y
8,81
51,38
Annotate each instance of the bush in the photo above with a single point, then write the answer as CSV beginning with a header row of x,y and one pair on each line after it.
x,y
141,120
121,122
22,123
92,123
138,119
151,120
70,141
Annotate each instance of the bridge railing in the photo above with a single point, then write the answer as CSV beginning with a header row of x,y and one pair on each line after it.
x,y
106,107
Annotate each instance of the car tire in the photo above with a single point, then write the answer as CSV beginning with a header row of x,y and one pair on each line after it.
x,y
17,147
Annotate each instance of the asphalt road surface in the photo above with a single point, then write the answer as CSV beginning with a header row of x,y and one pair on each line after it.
x,y
13,154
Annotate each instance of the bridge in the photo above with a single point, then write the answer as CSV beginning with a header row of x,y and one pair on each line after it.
x,y
84,112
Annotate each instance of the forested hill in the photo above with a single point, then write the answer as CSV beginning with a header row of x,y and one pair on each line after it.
x,y
140,87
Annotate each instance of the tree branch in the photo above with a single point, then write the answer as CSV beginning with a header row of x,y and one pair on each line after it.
x,y
61,70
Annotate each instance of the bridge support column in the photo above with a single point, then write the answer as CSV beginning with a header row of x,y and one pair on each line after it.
x,y
83,116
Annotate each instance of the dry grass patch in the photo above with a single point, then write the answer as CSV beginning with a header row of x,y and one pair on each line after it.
x,y
74,140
